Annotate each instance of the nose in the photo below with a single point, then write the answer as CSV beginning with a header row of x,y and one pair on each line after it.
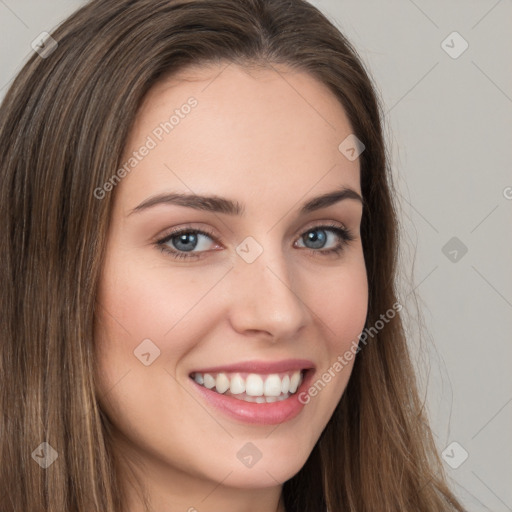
x,y
266,297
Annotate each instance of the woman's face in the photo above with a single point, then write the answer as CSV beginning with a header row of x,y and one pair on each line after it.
x,y
253,289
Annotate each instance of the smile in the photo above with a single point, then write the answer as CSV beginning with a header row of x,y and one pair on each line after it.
x,y
252,387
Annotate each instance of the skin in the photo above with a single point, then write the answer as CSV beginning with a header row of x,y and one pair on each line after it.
x,y
267,138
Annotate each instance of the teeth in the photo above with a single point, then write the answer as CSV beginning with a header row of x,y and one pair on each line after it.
x,y
272,386
237,385
222,383
258,399
285,384
294,382
252,387
209,381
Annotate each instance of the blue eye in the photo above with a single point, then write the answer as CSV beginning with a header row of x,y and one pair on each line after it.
x,y
190,243
333,236
184,241
317,237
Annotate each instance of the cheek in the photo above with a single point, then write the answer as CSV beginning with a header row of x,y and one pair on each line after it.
x,y
146,308
140,300
168,313
340,299
344,310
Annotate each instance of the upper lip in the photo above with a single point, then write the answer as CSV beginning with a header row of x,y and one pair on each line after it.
x,y
262,367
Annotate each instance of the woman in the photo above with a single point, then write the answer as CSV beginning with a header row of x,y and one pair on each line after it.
x,y
198,247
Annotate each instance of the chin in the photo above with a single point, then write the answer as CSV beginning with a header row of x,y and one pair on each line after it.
x,y
274,467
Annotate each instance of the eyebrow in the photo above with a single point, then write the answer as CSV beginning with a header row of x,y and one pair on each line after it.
x,y
218,204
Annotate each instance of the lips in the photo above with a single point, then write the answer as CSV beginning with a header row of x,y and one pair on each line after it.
x,y
265,399
255,391
260,367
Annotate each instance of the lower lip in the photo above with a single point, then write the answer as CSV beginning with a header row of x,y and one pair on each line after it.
x,y
260,414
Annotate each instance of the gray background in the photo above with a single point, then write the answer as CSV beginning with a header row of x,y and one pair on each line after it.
x,y
449,125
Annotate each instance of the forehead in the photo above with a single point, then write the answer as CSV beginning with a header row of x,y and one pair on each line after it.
x,y
244,133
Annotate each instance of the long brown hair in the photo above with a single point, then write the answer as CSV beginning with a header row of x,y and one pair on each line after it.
x,y
64,123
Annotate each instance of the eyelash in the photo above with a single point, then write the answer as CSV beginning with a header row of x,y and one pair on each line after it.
x,y
343,233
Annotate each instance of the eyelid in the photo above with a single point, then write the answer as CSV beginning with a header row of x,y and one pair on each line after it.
x,y
316,224
167,234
